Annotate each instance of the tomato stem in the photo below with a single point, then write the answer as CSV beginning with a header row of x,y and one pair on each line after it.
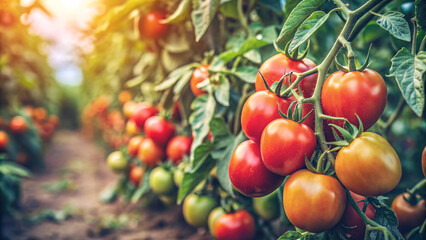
x,y
241,16
343,6
299,77
419,188
324,116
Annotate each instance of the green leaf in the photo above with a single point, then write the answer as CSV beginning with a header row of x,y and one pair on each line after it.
x,y
180,14
274,5
421,13
222,91
408,71
173,77
191,180
202,15
386,217
201,153
290,235
296,17
246,73
203,111
289,6
108,194
308,27
416,235
249,44
225,144
182,82
13,169
395,24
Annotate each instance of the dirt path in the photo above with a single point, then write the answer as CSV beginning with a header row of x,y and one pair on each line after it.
x,y
75,175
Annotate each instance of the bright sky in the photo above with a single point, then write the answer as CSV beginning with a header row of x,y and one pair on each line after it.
x,y
63,29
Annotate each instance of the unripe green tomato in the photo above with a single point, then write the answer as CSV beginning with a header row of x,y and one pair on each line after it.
x,y
117,162
213,216
178,176
196,209
229,8
267,207
161,181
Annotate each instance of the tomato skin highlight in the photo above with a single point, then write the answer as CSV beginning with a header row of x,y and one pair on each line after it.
x,y
4,140
161,181
141,112
346,94
178,147
200,74
285,136
273,69
159,129
235,226
353,220
150,153
150,25
409,216
196,209
368,159
133,145
248,173
313,202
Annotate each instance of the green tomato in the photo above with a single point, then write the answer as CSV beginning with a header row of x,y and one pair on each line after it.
x,y
267,207
213,216
117,162
196,209
161,181
178,176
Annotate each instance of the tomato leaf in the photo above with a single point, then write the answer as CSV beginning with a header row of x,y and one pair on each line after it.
x,y
203,111
290,235
296,17
202,15
308,27
395,24
386,217
249,44
416,235
173,77
191,180
289,6
180,14
246,73
221,92
274,5
421,13
409,71
182,82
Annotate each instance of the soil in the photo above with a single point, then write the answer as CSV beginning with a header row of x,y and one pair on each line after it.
x,y
80,165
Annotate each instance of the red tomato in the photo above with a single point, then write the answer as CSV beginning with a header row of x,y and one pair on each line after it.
x,y
235,226
409,216
362,93
150,153
136,174
150,25
178,147
248,173
143,111
133,145
352,220
18,125
285,144
368,159
262,107
274,68
200,74
313,202
4,140
159,129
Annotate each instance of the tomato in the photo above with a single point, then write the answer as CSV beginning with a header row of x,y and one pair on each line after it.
x,y
141,112
213,216
424,161
200,74
136,175
131,128
178,147
352,220
285,144
129,108
235,226
274,68
267,207
313,202
150,25
7,19
368,159
124,97
248,173
133,145
362,93
117,162
196,209
4,140
150,153
54,120
409,216
161,181
39,114
18,125
262,107
159,129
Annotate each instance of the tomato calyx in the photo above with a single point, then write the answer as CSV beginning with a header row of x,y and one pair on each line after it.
x,y
352,64
295,112
295,55
348,135
323,166
416,193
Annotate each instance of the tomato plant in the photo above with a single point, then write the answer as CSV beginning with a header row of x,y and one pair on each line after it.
x,y
136,174
161,181
117,162
267,207
213,216
159,130
143,111
351,220
18,125
4,140
196,209
237,225
133,145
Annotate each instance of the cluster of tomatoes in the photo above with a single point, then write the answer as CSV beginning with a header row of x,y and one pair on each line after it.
x,y
20,133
